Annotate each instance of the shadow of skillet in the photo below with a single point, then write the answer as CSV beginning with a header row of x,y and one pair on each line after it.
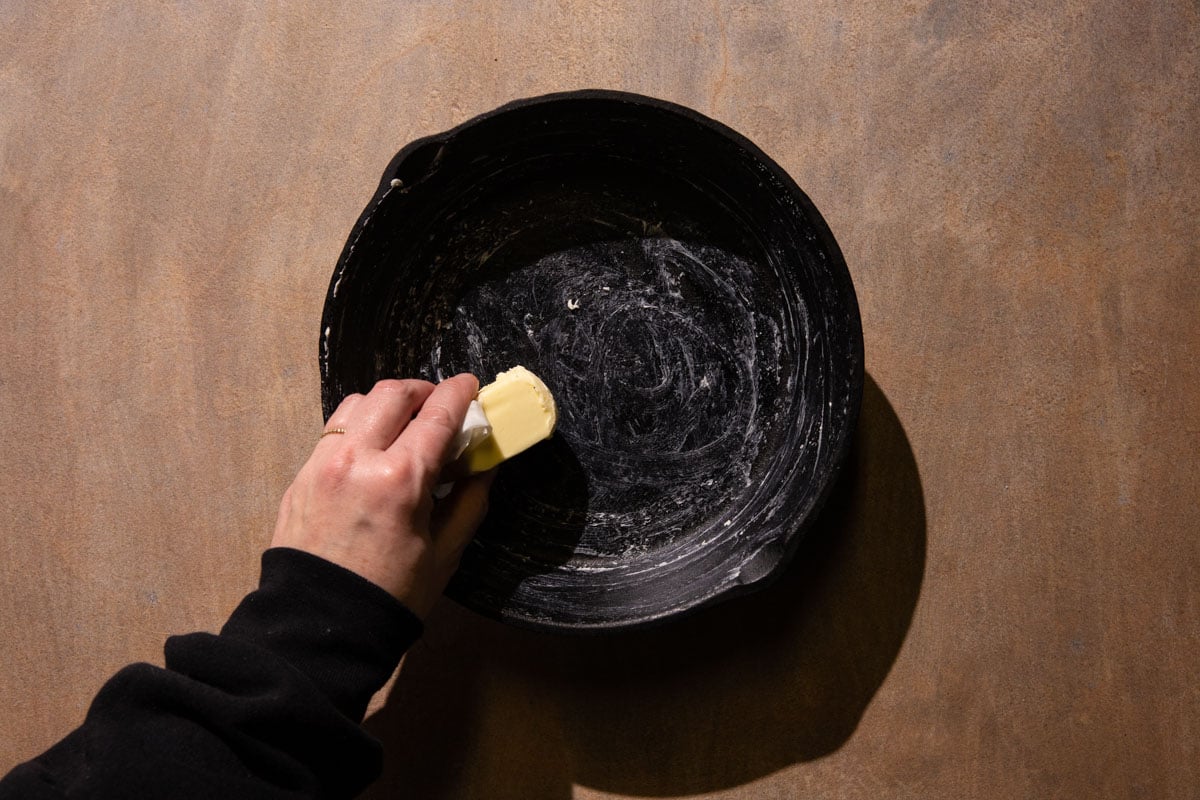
x,y
717,699
430,726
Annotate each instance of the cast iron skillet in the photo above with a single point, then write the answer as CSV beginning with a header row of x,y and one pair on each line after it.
x,y
681,297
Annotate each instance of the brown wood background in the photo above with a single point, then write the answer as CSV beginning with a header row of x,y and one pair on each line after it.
x,y
1001,602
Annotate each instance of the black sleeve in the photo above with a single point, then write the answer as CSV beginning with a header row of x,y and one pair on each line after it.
x,y
270,708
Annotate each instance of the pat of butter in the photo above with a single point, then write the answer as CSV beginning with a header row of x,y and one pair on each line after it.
x,y
521,412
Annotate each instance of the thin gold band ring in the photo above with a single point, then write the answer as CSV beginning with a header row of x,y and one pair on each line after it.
x,y
331,430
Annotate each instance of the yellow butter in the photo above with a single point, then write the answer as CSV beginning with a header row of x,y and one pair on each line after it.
x,y
522,413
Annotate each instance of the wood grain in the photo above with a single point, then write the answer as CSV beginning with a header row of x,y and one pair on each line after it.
x,y
1015,189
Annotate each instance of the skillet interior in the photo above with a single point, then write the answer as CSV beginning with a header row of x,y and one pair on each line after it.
x,y
683,300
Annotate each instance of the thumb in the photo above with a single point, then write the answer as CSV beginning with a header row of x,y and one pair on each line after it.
x,y
457,517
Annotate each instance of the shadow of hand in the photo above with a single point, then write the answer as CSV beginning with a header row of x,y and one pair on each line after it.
x,y
722,697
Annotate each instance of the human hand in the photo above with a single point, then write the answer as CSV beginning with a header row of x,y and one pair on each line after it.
x,y
364,498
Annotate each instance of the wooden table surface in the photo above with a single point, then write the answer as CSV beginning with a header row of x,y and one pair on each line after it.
x,y
1002,599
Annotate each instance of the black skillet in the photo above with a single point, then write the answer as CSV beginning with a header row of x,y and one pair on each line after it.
x,y
683,300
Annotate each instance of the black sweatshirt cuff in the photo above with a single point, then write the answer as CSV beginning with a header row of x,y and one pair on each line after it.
x,y
343,632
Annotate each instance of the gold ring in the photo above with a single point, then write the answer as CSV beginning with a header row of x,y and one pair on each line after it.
x,y
331,430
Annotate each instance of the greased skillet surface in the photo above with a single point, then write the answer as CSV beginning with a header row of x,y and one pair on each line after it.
x,y
677,292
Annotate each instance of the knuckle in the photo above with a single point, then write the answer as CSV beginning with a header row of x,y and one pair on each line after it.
x,y
402,388
396,474
390,385
335,471
349,402
438,416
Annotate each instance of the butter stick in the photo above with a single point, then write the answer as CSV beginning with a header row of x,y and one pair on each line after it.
x,y
521,412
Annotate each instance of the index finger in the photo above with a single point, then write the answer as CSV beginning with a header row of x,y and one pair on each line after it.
x,y
379,417
429,436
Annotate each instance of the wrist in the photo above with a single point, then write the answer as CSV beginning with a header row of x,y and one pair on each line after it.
x,y
344,632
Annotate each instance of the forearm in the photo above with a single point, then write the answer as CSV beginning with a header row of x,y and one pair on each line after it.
x,y
269,708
